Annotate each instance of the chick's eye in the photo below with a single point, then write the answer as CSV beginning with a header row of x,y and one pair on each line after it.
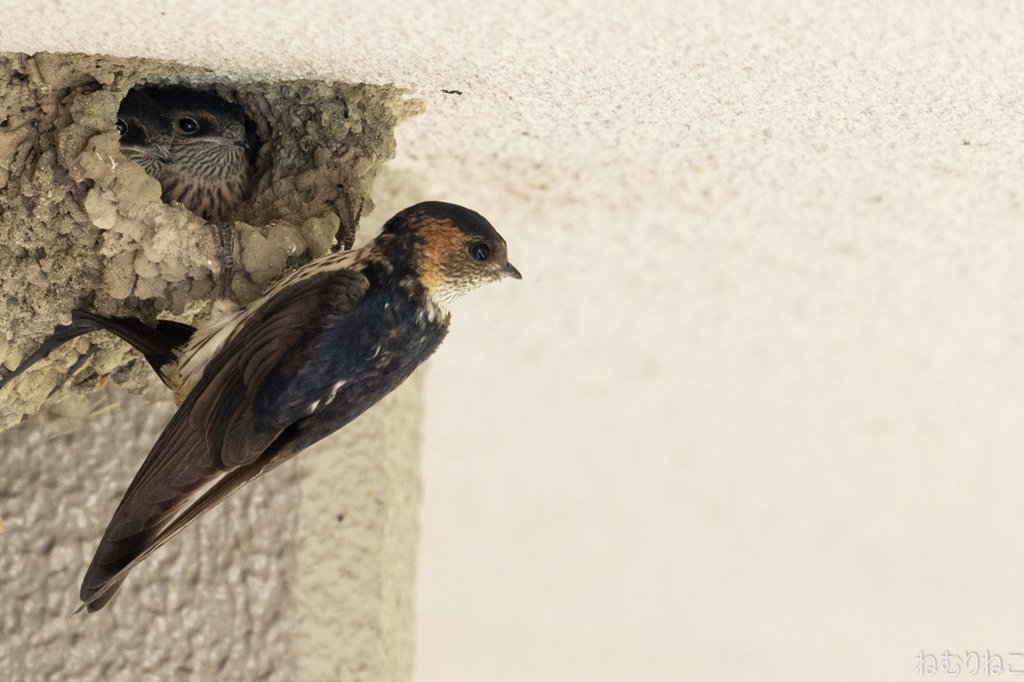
x,y
480,251
122,127
188,125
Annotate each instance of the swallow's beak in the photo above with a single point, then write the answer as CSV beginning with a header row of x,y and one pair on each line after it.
x,y
510,271
161,153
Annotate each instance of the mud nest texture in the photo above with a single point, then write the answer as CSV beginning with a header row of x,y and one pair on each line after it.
x,y
83,227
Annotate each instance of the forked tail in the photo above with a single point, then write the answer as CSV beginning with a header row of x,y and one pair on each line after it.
x,y
157,344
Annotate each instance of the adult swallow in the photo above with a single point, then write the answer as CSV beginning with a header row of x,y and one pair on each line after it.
x,y
263,382
213,147
145,132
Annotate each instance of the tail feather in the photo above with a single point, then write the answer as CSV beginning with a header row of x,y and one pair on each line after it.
x,y
157,344
61,335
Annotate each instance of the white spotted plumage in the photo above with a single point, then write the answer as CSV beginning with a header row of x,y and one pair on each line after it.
x,y
334,391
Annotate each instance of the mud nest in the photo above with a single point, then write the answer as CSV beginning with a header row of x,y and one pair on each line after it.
x,y
83,227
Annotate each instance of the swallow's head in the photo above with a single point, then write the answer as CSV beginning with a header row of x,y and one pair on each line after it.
x,y
204,117
455,250
145,131
213,147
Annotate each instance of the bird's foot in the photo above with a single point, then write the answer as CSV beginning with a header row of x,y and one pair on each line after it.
x,y
346,235
226,258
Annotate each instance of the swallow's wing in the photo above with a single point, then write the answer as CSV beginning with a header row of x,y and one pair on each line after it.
x,y
213,439
224,486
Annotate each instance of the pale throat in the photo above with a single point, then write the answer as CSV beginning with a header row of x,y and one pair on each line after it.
x,y
442,292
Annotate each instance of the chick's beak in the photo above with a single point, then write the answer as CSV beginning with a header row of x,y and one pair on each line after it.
x,y
510,271
236,139
161,153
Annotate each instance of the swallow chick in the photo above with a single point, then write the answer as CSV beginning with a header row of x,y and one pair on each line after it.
x,y
263,382
145,132
213,147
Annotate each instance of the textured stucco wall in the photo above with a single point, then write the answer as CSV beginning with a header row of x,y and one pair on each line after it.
x,y
213,604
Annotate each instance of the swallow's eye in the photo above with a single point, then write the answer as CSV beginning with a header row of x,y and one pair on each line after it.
x,y
188,125
480,251
122,127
